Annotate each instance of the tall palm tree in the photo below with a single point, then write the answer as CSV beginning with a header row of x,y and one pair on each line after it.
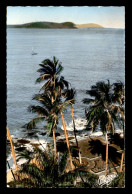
x,y
69,95
47,111
50,71
103,110
53,85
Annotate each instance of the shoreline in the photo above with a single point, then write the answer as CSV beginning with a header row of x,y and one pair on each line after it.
x,y
83,142
94,160
29,143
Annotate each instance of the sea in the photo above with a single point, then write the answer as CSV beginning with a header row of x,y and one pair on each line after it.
x,y
87,55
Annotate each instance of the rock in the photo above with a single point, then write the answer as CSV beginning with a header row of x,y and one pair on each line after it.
x,y
56,134
43,133
20,149
31,133
23,141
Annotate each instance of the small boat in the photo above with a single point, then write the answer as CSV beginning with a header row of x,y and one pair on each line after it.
x,y
33,53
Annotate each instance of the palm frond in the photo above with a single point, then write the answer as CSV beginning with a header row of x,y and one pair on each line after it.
x,y
33,122
65,83
59,69
26,155
42,78
93,93
39,110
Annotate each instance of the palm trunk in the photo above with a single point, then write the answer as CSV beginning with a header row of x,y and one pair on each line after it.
x,y
53,99
109,125
122,157
106,154
12,147
72,113
55,147
67,141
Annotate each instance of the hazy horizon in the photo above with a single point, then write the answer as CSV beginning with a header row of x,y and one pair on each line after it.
x,y
108,17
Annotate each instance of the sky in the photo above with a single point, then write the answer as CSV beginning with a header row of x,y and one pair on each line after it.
x,y
109,17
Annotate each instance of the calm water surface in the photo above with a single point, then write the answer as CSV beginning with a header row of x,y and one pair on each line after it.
x,y
87,55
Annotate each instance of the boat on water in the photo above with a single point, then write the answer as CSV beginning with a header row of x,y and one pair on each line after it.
x,y
80,124
33,53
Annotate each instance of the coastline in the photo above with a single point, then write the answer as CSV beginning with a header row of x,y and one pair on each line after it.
x,y
94,157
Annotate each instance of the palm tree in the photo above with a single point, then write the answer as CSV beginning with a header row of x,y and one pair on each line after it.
x,y
69,95
50,112
47,111
104,109
55,84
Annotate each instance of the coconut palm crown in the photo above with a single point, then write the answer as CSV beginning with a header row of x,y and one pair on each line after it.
x,y
105,105
46,110
50,73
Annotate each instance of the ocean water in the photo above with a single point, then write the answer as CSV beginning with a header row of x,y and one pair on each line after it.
x,y
87,55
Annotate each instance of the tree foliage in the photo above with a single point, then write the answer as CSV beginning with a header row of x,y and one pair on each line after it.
x,y
51,173
105,107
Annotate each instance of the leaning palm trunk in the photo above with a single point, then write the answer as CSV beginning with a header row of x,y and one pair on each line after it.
x,y
122,157
106,154
12,147
67,141
72,113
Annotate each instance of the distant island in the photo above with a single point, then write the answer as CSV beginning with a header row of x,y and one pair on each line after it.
x,y
53,25
91,25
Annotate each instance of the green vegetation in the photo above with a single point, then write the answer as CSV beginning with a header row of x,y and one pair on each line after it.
x,y
105,106
69,24
36,25
51,173
45,25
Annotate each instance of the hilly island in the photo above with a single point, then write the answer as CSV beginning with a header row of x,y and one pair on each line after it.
x,y
53,25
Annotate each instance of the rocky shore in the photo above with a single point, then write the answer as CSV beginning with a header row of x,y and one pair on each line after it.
x,y
92,149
